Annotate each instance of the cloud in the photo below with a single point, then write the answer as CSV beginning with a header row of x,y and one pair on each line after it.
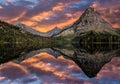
x,y
1,7
13,71
9,0
11,12
109,11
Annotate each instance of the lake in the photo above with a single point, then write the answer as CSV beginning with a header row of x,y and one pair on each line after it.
x,y
83,64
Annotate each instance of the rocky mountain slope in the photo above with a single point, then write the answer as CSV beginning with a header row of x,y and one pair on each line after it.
x,y
90,20
52,32
27,28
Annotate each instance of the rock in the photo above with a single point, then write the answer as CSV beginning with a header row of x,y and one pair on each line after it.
x,y
90,20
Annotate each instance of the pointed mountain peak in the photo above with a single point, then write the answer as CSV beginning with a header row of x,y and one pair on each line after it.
x,y
90,12
57,28
91,20
90,9
54,31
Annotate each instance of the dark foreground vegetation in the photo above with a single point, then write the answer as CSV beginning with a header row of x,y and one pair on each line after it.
x,y
92,37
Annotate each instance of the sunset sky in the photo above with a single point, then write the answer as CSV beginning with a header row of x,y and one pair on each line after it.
x,y
44,15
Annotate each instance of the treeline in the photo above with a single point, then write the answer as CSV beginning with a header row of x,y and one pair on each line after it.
x,y
92,37
13,34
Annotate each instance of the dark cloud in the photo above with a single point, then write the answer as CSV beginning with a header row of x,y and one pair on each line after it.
x,y
25,4
29,80
10,12
112,16
110,11
13,71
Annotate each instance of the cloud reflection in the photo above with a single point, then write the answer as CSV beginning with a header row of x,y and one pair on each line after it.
x,y
45,69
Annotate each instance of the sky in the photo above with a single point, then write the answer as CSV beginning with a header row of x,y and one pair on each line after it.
x,y
44,15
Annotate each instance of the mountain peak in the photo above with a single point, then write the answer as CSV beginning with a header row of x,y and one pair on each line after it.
x,y
89,21
90,9
90,14
56,28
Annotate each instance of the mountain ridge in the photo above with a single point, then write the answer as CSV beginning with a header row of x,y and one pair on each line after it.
x,y
90,20
35,32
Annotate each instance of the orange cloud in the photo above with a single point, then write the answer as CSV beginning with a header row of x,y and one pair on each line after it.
x,y
46,27
28,23
37,18
34,59
17,18
42,16
69,15
11,64
58,7
47,68
71,19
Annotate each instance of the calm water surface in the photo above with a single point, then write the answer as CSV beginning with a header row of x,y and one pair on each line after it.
x,y
62,66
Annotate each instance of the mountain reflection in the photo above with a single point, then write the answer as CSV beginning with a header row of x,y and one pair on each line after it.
x,y
9,52
90,58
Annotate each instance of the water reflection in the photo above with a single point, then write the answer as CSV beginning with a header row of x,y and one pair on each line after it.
x,y
66,65
91,58
10,52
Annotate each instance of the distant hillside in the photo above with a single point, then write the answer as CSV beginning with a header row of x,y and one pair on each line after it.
x,y
35,32
14,34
